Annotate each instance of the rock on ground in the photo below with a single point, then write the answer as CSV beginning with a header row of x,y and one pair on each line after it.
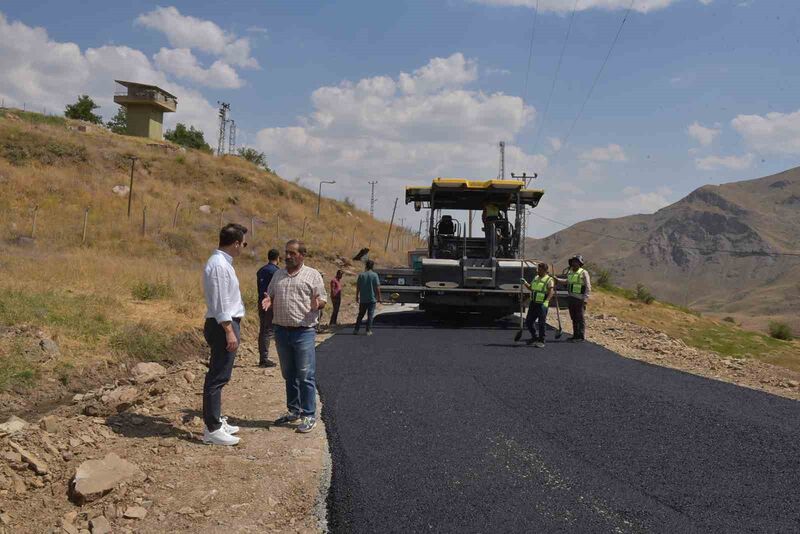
x,y
144,372
95,478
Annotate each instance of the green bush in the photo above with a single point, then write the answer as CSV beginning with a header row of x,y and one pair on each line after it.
x,y
729,319
151,290
142,342
780,330
643,294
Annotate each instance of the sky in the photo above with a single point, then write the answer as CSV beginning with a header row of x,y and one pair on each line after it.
x,y
693,91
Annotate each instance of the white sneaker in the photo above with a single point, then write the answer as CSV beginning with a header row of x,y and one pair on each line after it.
x,y
219,437
229,429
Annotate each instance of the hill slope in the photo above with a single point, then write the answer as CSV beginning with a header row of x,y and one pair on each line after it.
x,y
676,251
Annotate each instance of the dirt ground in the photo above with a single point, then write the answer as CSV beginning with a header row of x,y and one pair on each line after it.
x,y
270,482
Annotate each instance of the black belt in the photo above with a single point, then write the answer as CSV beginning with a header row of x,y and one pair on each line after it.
x,y
295,327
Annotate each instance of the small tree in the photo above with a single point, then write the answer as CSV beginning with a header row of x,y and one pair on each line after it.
x,y
643,294
119,123
82,110
190,138
780,331
253,156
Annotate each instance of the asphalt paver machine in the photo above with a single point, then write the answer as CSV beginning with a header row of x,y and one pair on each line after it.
x,y
462,273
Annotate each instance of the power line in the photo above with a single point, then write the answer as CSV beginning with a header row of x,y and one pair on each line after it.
x,y
530,53
555,77
594,83
701,249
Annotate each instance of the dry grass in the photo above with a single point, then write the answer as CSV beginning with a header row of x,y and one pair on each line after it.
x,y
88,297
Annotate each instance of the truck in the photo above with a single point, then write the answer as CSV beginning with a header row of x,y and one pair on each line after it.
x,y
460,273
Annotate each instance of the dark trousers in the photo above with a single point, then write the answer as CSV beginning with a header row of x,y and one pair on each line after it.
x,y
265,334
220,367
577,307
337,301
537,313
367,308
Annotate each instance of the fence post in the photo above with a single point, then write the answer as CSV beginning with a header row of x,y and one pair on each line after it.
x,y
175,217
303,234
144,220
253,228
221,215
33,225
277,228
85,223
353,241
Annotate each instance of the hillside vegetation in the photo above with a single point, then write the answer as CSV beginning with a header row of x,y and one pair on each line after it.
x,y
133,291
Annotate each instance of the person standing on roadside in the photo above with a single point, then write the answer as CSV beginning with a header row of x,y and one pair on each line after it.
x,y
265,330
368,294
225,310
336,296
296,296
579,287
541,288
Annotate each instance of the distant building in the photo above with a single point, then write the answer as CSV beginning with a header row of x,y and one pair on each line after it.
x,y
145,106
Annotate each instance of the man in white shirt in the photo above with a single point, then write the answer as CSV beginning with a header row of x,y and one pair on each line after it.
x,y
296,295
225,310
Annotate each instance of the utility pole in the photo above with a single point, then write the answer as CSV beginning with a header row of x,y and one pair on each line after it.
x,y
372,198
232,137
130,187
391,222
319,196
502,174
224,108
524,221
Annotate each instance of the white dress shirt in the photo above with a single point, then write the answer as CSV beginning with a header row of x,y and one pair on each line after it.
x,y
221,287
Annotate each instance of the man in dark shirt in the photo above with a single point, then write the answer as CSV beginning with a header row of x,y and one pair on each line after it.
x,y
265,332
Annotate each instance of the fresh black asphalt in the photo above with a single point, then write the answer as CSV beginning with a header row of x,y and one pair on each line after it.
x,y
458,429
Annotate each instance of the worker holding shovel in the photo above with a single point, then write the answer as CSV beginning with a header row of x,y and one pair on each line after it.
x,y
542,288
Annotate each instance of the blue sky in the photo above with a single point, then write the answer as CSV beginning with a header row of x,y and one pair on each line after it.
x,y
695,91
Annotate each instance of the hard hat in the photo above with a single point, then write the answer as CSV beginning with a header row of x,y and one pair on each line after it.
x,y
578,258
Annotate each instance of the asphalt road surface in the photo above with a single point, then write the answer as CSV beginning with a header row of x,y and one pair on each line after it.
x,y
460,430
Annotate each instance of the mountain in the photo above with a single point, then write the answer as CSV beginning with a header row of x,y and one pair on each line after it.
x,y
679,253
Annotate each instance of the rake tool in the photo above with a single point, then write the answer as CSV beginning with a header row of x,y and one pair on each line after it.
x,y
558,312
519,333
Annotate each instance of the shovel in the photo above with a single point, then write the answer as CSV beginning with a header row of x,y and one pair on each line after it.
x,y
519,333
558,313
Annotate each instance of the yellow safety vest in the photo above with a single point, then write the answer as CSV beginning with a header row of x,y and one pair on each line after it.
x,y
492,210
575,282
539,289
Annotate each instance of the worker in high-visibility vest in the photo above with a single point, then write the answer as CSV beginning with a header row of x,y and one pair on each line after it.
x,y
579,287
490,216
542,287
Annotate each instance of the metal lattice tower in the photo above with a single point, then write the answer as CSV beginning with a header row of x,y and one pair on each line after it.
x,y
232,137
224,108
372,198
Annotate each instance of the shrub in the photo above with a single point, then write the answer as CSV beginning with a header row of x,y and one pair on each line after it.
x,y
259,159
142,342
82,110
188,137
181,244
729,319
780,330
16,371
151,290
643,294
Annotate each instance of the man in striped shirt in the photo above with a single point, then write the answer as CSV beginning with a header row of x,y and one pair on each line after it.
x,y
296,295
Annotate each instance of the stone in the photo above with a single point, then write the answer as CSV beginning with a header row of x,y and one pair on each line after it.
x,y
78,397
144,372
69,528
50,424
38,465
100,525
13,457
70,517
75,442
188,376
793,383
95,478
135,512
5,519
49,348
205,208
13,425
186,510
122,397
121,190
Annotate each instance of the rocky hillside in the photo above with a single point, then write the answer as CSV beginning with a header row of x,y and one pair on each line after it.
x,y
676,252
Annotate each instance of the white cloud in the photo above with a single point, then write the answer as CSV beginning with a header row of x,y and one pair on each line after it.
x,y
184,31
404,129
774,133
736,163
46,73
703,135
180,62
564,6
555,143
611,152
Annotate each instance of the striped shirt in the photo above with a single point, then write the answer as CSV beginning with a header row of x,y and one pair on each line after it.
x,y
292,294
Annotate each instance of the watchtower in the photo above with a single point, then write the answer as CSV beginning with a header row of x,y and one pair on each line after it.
x,y
145,106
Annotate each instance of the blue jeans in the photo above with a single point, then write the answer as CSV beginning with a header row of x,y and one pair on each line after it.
x,y
298,357
369,309
220,367
536,313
